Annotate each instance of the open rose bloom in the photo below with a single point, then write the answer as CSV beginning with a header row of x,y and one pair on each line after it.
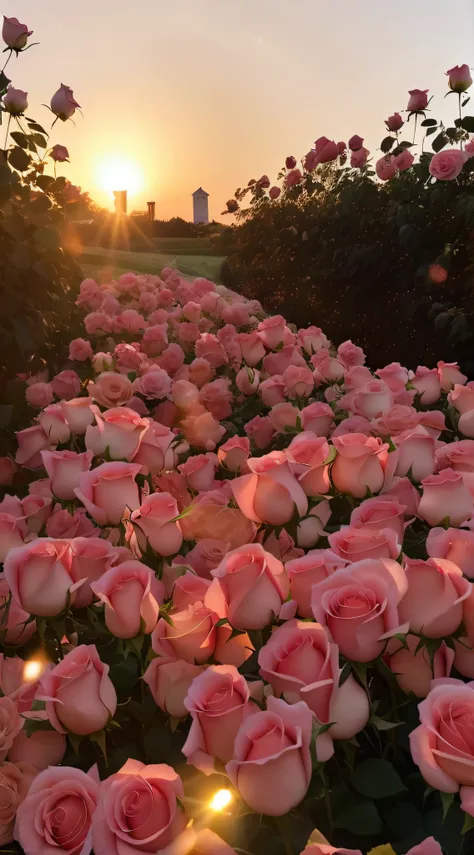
x,y
238,563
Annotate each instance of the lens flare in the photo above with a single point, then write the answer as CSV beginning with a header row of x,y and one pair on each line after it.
x,y
118,173
220,800
33,670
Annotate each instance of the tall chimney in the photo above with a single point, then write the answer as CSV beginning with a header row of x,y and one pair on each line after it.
x,y
151,211
120,202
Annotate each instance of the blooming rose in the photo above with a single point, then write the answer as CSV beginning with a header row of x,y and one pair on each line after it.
x,y
169,681
359,465
79,694
382,512
270,493
412,666
210,520
415,454
260,430
41,749
139,811
39,394
273,746
442,745
307,571
10,725
445,496
191,637
199,471
155,383
63,103
427,383
118,430
418,100
404,160
80,349
66,384
31,441
459,78
454,544
111,389
301,664
358,604
77,414
233,453
356,543
359,158
218,700
40,577
18,629
317,418
155,523
15,780
308,456
462,399
14,34
326,150
447,164
202,431
432,605
15,101
385,167
293,177
64,468
57,812
107,491
271,331
249,586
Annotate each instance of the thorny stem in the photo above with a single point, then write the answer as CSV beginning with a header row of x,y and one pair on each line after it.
x,y
8,130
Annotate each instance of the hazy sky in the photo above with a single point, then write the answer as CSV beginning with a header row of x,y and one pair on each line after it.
x,y
214,92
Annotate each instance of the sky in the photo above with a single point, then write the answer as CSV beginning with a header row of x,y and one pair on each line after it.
x,y
211,93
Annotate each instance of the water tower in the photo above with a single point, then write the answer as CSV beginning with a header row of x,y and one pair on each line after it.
x,y
151,210
200,206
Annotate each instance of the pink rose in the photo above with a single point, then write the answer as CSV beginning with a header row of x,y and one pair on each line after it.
x,y
298,381
155,524
441,745
293,177
317,418
326,849
14,34
307,571
415,454
78,692
111,389
90,558
450,375
109,490
15,101
427,383
218,522
17,629
427,847
39,395
273,745
460,457
412,666
63,103
154,451
301,664
271,331
350,354
66,384
199,471
130,607
382,512
447,164
206,556
308,457
234,453
355,544
454,544
252,347
249,586
209,347
8,469
274,192
202,431
217,397
359,465
404,160
355,143
290,162
57,812
64,468
200,372
77,414
169,681
118,431
385,167
418,100
11,534
270,493
260,430
218,700
191,637
31,441
155,383
359,158
462,399
272,390
80,350
10,725
42,749
15,780
53,423
445,497
59,153
394,122
358,604
40,577
432,604
459,78
326,150
139,811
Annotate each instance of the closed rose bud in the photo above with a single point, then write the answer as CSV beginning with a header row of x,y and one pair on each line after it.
x,y
63,104
394,122
14,34
418,100
290,162
130,607
15,101
459,78
59,153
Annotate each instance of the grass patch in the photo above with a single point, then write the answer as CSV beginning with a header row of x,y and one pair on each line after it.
x,y
107,264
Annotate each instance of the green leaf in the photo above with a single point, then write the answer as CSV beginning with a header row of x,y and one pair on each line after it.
x,y
20,138
387,144
439,142
468,823
19,159
429,123
446,800
377,779
382,724
468,124
4,81
360,817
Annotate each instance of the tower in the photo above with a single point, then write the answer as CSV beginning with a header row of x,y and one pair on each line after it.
x,y
120,202
200,206
151,210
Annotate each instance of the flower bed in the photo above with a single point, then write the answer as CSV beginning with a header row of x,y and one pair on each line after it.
x,y
235,560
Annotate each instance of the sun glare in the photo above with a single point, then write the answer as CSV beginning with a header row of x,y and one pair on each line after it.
x,y
118,173
220,800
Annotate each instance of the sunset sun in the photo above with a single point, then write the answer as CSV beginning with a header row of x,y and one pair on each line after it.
x,y
119,173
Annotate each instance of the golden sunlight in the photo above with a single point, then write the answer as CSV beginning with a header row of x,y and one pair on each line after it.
x,y
33,670
119,173
220,800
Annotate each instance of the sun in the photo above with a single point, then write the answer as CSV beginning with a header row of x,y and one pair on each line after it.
x,y
119,173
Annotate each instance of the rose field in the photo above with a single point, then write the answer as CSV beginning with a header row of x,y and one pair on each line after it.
x,y
236,597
